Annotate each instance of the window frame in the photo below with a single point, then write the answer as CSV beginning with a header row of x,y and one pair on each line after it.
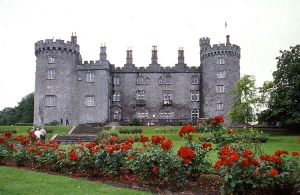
x,y
195,95
51,59
90,101
117,80
51,73
195,113
140,95
221,74
50,100
116,96
90,77
220,106
160,81
220,89
221,61
139,80
168,80
195,80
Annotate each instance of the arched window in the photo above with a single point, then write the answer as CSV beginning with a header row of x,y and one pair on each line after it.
x,y
168,81
160,81
147,81
195,80
140,80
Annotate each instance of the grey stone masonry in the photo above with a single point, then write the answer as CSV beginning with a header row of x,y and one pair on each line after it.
x,y
97,91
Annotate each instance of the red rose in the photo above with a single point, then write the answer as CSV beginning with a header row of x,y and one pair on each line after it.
x,y
59,158
273,172
294,153
154,170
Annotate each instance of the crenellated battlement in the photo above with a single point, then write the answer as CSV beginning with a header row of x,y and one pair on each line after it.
x,y
156,68
57,45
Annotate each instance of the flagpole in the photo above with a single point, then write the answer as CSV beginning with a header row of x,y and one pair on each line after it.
x,y
225,27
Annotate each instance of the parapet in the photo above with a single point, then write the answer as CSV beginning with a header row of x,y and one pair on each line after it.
x,y
204,42
58,46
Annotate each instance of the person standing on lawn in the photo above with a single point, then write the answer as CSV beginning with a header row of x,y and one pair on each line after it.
x,y
37,133
43,134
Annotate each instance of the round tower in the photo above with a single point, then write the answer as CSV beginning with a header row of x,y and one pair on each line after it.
x,y
220,66
55,94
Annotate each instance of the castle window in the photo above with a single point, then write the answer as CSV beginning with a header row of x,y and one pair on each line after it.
x,y
220,61
167,95
194,96
221,74
168,81
117,80
89,100
166,114
51,59
50,100
220,89
90,77
51,73
140,80
160,81
195,80
220,106
116,97
147,81
142,113
140,95
195,113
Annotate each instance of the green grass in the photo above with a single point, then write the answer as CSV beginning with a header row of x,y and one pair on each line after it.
x,y
21,181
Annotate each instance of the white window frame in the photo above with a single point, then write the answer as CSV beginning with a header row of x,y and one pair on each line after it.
x,y
51,59
194,96
166,114
195,114
142,113
90,76
117,81
89,101
220,88
221,74
50,100
140,95
140,80
220,106
51,74
195,80
116,96
221,60
168,81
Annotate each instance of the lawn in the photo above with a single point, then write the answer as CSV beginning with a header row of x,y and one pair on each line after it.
x,y
23,181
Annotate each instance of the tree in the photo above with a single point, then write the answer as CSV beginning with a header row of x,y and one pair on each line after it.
x,y
246,99
21,113
284,100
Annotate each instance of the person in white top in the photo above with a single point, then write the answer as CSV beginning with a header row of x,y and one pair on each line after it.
x,y
37,133
43,134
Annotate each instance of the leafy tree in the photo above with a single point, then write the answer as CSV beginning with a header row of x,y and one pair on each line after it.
x,y
246,101
284,100
21,113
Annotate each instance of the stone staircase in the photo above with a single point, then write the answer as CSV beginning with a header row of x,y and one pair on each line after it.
x,y
84,132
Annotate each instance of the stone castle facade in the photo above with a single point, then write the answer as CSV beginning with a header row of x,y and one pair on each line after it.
x,y
97,91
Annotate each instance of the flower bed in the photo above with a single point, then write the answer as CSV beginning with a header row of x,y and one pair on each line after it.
x,y
241,167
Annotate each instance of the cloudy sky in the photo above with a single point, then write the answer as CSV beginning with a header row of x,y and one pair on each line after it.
x,y
260,27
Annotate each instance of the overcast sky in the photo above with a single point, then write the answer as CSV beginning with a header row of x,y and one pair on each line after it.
x,y
260,27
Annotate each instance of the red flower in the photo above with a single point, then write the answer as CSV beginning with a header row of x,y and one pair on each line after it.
x,y
154,170
10,145
244,162
167,144
129,140
143,138
111,149
299,141
157,139
59,158
73,155
230,131
206,145
279,152
7,134
199,122
190,137
278,161
246,153
186,153
273,172
294,153
219,119
130,156
187,160
2,140
114,139
212,122
38,152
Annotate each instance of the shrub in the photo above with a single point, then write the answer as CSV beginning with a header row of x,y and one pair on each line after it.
x,y
135,122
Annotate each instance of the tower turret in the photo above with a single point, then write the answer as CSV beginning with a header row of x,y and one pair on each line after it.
x,y
204,42
180,55
103,52
129,56
154,55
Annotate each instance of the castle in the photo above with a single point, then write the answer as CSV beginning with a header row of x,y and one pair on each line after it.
x,y
97,91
